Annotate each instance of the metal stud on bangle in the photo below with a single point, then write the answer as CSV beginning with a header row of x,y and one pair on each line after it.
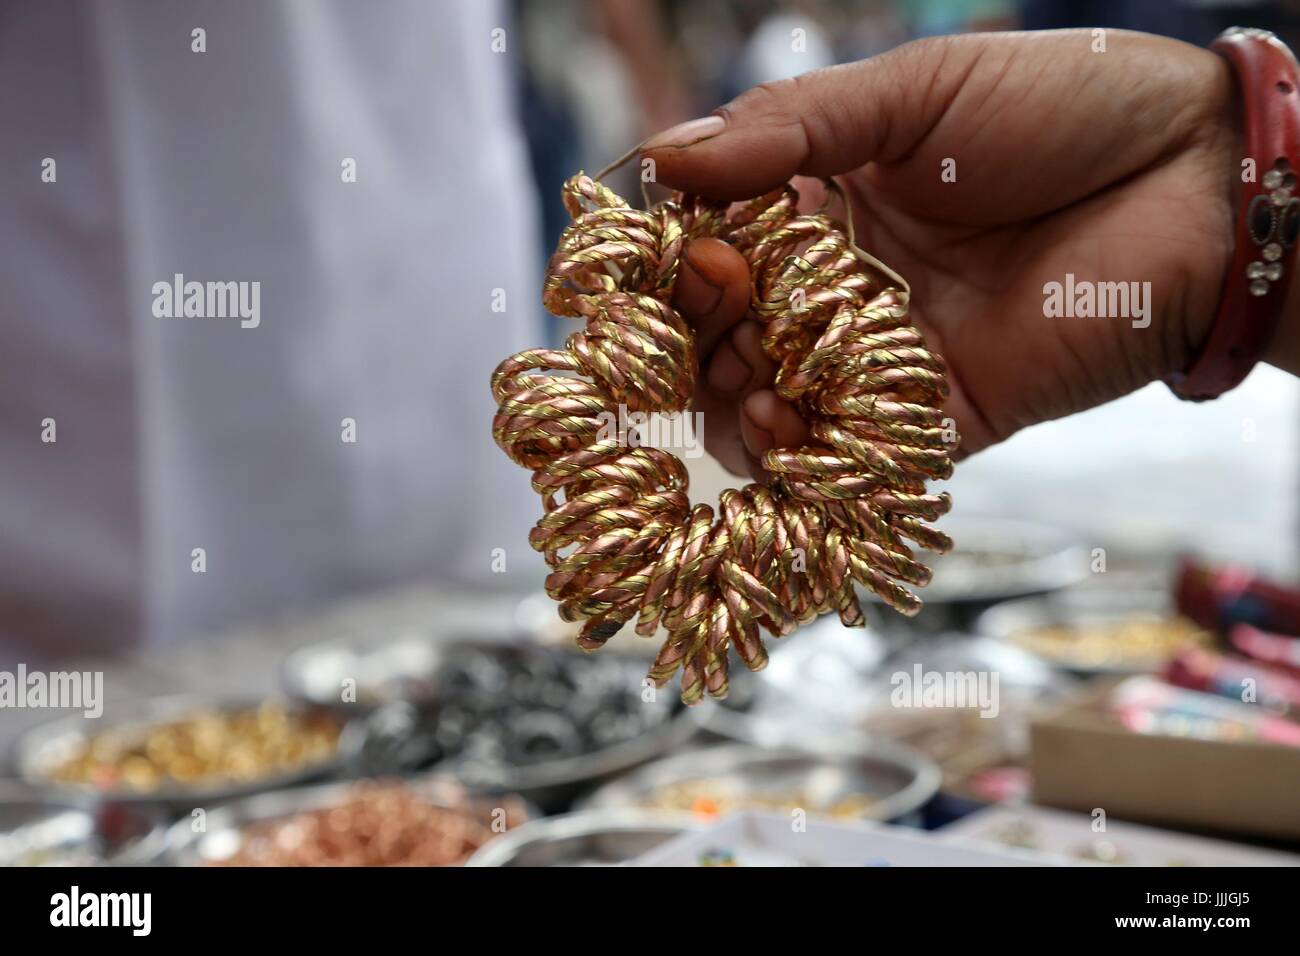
x,y
1273,219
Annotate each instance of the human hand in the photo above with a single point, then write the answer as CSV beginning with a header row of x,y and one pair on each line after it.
x,y
1115,166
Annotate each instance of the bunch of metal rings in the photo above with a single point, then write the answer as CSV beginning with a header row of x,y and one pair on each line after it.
x,y
619,532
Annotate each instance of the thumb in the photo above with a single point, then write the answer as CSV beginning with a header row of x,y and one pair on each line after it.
x,y
821,123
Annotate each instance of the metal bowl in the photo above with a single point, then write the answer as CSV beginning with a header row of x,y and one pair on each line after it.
x,y
43,748
402,668
223,828
36,831
996,559
1078,608
898,780
993,559
587,838
400,702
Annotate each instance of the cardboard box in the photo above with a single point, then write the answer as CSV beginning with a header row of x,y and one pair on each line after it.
x,y
1081,759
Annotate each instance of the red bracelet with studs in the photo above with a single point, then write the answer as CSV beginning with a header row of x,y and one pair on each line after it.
x,y
1255,289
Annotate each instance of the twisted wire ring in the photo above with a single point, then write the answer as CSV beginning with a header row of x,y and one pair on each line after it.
x,y
619,532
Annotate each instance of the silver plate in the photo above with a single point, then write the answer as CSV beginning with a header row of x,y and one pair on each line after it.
x,y
397,668
900,780
43,748
588,838
1080,607
313,674
36,831
995,559
223,828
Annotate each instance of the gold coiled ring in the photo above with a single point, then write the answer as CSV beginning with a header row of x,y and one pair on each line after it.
x,y
619,532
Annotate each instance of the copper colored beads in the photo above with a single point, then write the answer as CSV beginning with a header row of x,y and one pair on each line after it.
x,y
378,823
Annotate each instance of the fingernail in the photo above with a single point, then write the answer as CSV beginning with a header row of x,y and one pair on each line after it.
x,y
729,374
686,134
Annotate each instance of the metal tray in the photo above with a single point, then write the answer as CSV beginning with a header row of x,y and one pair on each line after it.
x,y
389,670
44,747
587,838
900,780
224,827
1075,608
313,674
37,831
996,559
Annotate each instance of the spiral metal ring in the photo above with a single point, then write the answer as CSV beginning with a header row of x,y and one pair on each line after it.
x,y
619,531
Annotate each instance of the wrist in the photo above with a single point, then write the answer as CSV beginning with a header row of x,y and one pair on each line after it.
x,y
1215,151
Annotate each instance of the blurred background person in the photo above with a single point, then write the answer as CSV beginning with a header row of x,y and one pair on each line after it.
x,y
354,164
385,301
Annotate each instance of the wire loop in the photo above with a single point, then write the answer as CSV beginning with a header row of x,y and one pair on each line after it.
x,y
619,533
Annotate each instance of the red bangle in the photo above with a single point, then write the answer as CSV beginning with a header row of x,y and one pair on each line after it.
x,y
1255,289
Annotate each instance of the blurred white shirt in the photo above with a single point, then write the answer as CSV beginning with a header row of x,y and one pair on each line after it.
x,y
375,304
